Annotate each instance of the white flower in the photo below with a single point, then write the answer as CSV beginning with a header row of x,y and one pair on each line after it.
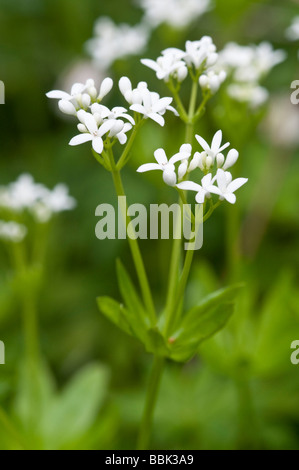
x,y
215,148
112,42
250,63
231,159
292,33
202,52
119,131
177,13
153,107
203,191
212,80
81,96
132,96
12,232
93,133
168,65
250,93
227,186
22,194
165,165
53,202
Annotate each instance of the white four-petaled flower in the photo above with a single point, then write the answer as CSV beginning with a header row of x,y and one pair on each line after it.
x,y
165,165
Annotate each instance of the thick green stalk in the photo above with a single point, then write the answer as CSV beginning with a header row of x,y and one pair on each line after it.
x,y
138,261
151,399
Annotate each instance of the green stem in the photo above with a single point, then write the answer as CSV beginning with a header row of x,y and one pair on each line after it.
x,y
173,272
126,152
151,399
192,106
138,261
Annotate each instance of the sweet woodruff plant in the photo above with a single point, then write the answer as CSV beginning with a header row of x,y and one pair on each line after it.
x,y
199,167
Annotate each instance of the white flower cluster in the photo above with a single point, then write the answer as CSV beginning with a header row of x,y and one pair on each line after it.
x,y
247,66
176,13
210,160
292,33
199,55
112,42
12,232
97,122
24,194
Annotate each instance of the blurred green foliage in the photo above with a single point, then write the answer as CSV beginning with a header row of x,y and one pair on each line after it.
x,y
242,390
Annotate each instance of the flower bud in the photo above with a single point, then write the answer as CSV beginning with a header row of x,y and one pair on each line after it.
x,y
194,162
169,177
106,87
203,160
182,74
85,100
81,128
204,81
93,93
125,85
209,162
231,159
67,107
182,169
212,59
220,160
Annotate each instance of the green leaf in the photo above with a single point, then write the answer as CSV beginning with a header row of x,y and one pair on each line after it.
x,y
72,413
202,322
115,312
136,314
156,343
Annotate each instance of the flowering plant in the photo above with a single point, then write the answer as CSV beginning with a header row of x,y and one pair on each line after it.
x,y
175,334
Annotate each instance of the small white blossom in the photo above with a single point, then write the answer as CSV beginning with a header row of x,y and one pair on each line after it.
x,y
216,146
203,191
165,165
21,194
93,133
292,33
212,80
202,52
152,106
227,186
177,13
25,194
81,96
112,42
12,232
170,64
254,95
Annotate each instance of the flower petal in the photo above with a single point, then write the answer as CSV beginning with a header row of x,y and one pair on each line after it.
x,y
216,142
204,144
189,186
230,197
138,108
157,118
98,145
58,95
161,157
90,123
80,139
236,184
148,167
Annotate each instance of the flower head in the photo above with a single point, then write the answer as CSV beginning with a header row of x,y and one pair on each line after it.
x,y
177,13
12,232
216,146
145,102
112,42
165,165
